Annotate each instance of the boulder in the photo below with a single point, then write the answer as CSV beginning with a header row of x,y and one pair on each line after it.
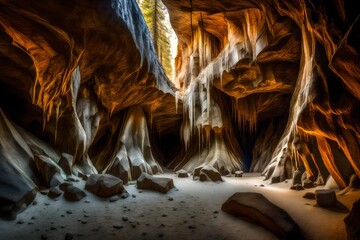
x,y
104,185
65,163
196,172
326,198
73,194
209,173
352,222
148,182
182,173
54,192
307,183
120,168
259,210
239,173
63,186
48,170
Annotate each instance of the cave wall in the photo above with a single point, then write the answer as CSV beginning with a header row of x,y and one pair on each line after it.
x,y
289,74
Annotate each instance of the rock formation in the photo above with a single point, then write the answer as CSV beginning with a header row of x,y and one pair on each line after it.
x,y
276,83
265,86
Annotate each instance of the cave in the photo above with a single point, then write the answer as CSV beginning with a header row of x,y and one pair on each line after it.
x,y
253,134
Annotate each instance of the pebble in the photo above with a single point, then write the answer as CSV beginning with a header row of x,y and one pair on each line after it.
x,y
125,219
69,236
170,199
20,222
69,212
44,237
115,226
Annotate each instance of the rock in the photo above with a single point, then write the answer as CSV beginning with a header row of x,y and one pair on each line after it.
x,y
83,176
297,187
196,172
326,198
54,192
114,198
352,222
73,193
331,183
63,186
48,171
182,173
259,210
125,194
239,173
211,174
65,163
69,236
148,182
309,195
118,226
120,166
319,180
104,185
307,183
297,177
44,237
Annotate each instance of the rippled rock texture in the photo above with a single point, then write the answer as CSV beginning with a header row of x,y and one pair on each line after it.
x,y
273,84
264,86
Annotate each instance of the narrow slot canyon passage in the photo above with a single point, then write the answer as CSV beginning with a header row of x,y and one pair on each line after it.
x,y
179,119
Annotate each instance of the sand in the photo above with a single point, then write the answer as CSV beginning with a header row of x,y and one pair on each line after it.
x,y
192,211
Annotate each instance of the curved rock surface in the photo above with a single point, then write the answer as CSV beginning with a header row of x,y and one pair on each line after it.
x,y
258,209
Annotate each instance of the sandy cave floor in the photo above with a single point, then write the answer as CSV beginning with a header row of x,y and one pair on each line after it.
x,y
192,211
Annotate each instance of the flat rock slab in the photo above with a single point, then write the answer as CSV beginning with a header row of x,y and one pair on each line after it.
x,y
259,210
148,182
104,185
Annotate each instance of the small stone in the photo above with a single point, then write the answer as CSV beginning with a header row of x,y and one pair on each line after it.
x,y
69,212
133,195
297,187
52,228
87,201
164,215
182,173
117,226
191,227
34,203
69,236
44,192
262,185
44,237
20,222
309,195
125,219
239,173
216,212
114,198
170,199
47,204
